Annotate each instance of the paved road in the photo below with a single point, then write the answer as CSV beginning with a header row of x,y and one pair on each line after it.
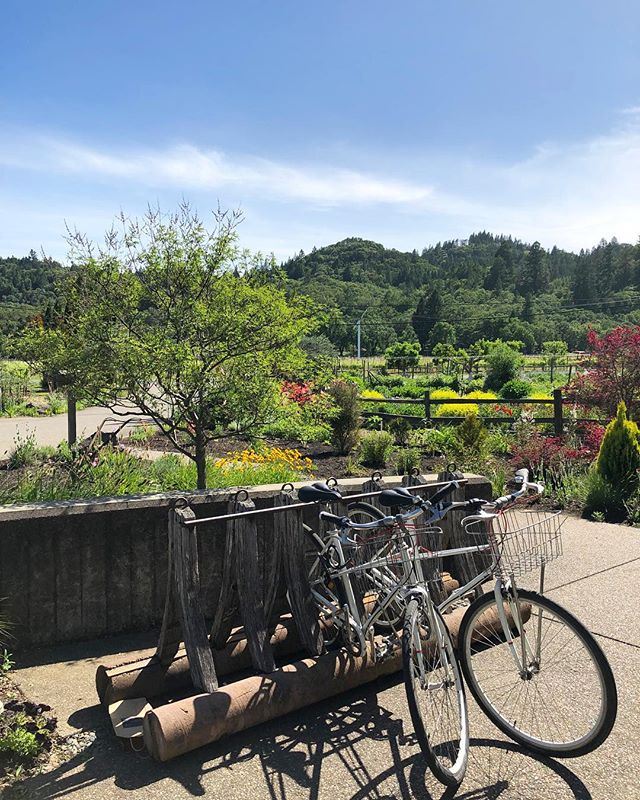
x,y
52,430
361,745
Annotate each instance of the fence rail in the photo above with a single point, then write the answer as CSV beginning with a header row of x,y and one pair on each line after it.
x,y
556,401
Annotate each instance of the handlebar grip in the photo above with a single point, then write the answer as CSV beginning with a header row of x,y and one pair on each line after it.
x,y
326,515
443,492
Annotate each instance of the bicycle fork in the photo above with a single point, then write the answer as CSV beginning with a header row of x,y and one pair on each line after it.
x,y
526,662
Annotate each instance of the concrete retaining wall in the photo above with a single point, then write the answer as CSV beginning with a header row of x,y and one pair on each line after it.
x,y
83,569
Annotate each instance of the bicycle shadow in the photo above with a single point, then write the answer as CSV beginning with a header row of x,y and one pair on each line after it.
x,y
335,749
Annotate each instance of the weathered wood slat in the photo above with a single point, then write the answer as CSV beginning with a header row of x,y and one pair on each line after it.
x,y
187,584
119,573
226,605
270,560
94,579
250,590
414,479
288,528
68,583
374,485
142,583
41,587
170,633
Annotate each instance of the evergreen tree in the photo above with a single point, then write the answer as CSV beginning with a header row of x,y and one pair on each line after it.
x,y
535,277
501,274
427,313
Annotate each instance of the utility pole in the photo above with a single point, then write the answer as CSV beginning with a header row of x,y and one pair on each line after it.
x,y
358,332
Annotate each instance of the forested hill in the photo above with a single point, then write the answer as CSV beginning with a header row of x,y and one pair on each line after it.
x,y
458,291
27,288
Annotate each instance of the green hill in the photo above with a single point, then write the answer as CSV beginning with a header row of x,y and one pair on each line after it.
x,y
458,291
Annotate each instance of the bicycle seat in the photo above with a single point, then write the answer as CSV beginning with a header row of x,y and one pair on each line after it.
x,y
318,493
398,497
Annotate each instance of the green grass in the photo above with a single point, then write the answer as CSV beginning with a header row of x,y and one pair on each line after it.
x,y
117,473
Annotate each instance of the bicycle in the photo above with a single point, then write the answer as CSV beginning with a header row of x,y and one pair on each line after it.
x,y
501,636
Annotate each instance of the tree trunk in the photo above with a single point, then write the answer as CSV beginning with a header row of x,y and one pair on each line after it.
x,y
201,463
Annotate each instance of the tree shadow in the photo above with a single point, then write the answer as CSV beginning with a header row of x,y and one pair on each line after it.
x,y
296,756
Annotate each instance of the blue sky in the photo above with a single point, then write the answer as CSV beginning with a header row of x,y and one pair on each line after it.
x,y
406,122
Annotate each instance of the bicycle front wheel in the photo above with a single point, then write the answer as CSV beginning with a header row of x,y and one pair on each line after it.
x,y
435,693
562,700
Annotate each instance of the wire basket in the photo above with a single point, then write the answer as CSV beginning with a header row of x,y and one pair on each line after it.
x,y
522,540
385,558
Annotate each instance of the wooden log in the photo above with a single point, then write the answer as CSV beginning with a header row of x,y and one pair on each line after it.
x,y
187,585
187,724
251,591
288,529
149,677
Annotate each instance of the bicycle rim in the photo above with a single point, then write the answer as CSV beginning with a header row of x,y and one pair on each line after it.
x,y
564,702
435,694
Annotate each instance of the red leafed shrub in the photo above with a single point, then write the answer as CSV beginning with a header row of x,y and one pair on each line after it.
x,y
300,393
541,453
613,375
591,435
503,410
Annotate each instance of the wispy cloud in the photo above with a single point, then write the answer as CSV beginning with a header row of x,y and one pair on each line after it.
x,y
570,194
187,167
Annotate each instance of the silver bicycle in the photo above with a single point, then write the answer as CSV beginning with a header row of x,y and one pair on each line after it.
x,y
533,668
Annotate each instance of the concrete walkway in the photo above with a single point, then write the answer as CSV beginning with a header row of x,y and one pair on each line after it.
x,y
361,745
53,430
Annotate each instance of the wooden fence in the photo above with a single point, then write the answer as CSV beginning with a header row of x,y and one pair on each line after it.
x,y
427,403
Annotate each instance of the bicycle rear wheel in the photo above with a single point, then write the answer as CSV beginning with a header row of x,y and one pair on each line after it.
x,y
435,693
564,702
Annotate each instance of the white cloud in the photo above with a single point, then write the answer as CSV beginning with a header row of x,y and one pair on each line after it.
x,y
569,194
187,167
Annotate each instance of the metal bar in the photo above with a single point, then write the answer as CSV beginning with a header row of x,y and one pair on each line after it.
x,y
275,509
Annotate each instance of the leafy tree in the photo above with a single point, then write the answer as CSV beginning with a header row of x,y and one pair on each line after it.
x,y
168,317
402,355
442,333
553,351
503,365
614,372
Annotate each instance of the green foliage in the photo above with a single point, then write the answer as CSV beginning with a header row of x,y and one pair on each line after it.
x,y
515,388
601,497
6,661
472,435
400,428
26,452
176,320
114,472
373,423
434,441
503,365
402,356
619,456
375,448
345,421
407,460
19,744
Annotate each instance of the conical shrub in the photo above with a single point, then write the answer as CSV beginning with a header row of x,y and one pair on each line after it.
x,y
619,456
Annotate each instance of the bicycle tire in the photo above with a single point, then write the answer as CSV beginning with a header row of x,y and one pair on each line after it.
x,y
490,654
447,760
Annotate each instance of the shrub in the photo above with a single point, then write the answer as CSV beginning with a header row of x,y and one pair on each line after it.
x,y
503,365
540,454
345,421
619,457
402,355
400,428
373,423
434,441
371,394
408,460
375,448
472,434
25,451
56,403
600,496
516,388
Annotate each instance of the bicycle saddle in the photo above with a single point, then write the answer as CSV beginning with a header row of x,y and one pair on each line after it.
x,y
318,493
398,497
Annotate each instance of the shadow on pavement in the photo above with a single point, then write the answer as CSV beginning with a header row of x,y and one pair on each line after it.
x,y
294,757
